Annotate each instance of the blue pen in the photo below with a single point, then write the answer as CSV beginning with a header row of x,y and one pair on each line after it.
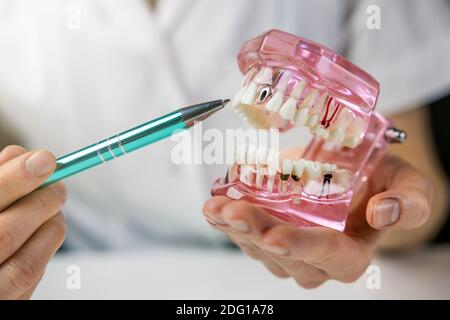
x,y
132,139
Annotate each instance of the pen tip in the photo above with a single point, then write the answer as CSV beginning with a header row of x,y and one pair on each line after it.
x,y
225,101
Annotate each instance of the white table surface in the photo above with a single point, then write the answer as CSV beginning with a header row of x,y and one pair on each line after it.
x,y
171,273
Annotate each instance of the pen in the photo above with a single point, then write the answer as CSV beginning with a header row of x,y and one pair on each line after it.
x,y
132,139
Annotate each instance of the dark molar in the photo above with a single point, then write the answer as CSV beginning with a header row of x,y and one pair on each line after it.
x,y
284,177
265,93
296,179
327,178
326,182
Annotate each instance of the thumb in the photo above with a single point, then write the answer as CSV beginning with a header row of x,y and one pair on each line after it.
x,y
406,203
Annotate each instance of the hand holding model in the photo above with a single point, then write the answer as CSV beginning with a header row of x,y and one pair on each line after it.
x,y
400,198
318,214
32,227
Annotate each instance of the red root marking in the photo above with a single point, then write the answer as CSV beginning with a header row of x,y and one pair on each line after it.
x,y
325,122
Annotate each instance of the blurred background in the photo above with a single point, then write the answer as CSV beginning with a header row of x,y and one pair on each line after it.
x,y
73,71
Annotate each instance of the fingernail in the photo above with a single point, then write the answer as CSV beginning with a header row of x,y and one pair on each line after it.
x,y
387,212
210,221
217,220
239,225
276,250
60,190
40,164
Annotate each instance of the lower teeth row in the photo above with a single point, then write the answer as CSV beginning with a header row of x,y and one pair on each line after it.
x,y
321,182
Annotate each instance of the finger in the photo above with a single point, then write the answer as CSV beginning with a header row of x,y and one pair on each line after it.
x,y
275,268
247,219
335,253
25,216
250,249
23,174
29,293
305,275
238,216
21,271
405,204
10,152
213,207
307,244
253,251
286,254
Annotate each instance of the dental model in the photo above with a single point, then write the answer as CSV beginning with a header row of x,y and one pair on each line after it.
x,y
290,81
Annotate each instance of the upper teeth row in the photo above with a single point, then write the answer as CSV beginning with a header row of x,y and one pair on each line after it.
x,y
346,129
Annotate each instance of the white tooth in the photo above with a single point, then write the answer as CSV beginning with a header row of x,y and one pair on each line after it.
x,y
298,89
250,172
264,76
251,154
356,127
288,109
243,173
238,110
249,95
319,105
312,120
283,84
320,132
301,116
270,182
287,166
329,167
337,135
343,178
354,132
312,169
260,173
232,173
286,170
310,99
273,162
241,153
261,156
351,142
252,115
344,119
298,168
238,97
231,157
275,102
248,76
246,175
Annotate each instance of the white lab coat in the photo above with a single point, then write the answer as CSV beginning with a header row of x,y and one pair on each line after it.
x,y
65,85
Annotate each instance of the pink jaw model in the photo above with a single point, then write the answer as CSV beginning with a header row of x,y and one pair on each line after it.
x,y
290,81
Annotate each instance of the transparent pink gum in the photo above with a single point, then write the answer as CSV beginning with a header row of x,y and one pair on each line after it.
x,y
352,88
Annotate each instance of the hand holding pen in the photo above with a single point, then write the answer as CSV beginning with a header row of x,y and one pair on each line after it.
x,y
32,227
